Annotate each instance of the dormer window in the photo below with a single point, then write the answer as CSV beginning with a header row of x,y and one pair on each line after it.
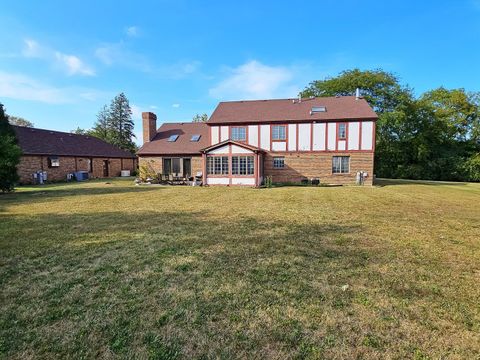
x,y
239,133
172,138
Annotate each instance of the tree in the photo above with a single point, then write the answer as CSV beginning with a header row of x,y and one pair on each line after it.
x,y
200,118
120,123
9,154
18,121
101,128
80,131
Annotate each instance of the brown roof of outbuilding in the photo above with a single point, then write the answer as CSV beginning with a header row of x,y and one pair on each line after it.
x,y
35,141
183,145
257,111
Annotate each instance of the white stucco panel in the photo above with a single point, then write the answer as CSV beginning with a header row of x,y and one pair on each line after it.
x,y
265,137
319,136
217,181
342,145
253,135
214,135
304,137
243,181
223,133
221,150
279,146
367,135
332,136
353,135
292,137
240,150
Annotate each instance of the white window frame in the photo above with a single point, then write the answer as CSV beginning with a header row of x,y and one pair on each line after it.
x,y
277,135
276,159
340,168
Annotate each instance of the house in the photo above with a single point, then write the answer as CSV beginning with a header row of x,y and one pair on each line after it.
x,y
59,154
326,138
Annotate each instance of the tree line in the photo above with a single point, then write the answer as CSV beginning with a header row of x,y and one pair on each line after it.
x,y
434,136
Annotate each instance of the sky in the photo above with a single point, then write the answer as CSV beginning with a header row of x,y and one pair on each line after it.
x,y
61,61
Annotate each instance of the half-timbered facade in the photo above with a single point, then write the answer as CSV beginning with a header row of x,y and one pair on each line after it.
x,y
326,138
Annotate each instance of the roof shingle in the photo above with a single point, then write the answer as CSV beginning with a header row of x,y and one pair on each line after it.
x,y
279,110
35,141
183,145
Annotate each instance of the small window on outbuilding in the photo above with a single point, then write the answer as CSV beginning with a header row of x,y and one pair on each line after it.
x,y
53,161
172,138
195,138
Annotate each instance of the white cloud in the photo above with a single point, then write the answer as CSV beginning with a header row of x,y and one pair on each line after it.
x,y
132,31
153,107
254,80
71,64
176,106
22,87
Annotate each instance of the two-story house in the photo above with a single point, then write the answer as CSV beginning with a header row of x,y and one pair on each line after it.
x,y
326,138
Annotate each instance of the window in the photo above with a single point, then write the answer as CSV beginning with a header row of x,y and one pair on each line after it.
x,y
53,161
243,165
341,164
195,138
172,138
167,166
278,162
317,109
279,132
239,133
217,165
342,131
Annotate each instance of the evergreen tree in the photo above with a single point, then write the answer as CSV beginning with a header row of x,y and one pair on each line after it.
x,y
120,123
101,128
9,154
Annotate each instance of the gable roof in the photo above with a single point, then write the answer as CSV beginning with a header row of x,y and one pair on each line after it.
x,y
257,111
228,141
35,141
160,144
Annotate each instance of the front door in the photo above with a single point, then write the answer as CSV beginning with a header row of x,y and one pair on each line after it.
x,y
187,167
105,168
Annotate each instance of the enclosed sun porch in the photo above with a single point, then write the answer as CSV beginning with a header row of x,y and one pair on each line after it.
x,y
232,163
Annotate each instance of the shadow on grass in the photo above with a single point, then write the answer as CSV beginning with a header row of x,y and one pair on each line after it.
x,y
381,182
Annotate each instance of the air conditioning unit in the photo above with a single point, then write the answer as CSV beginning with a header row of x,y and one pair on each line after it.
x,y
125,173
81,175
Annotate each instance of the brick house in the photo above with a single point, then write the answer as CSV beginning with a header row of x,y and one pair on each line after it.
x,y
59,153
326,138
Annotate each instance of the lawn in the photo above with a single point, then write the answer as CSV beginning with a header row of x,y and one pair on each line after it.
x,y
110,270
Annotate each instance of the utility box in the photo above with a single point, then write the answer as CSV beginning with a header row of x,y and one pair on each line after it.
x,y
81,175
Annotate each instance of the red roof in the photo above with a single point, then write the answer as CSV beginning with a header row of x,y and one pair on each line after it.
x,y
257,111
228,141
35,141
183,145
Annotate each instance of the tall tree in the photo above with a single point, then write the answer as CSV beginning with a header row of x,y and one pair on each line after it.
x,y
200,118
9,154
101,129
19,121
120,123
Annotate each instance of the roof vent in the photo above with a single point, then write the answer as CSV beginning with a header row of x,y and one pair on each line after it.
x,y
357,94
318,109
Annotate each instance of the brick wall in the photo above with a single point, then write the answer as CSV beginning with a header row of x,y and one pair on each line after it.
x,y
30,164
318,165
155,163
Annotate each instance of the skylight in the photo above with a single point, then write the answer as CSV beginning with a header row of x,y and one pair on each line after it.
x,y
316,109
195,137
172,138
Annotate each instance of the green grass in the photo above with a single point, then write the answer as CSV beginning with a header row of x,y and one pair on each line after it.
x,y
111,270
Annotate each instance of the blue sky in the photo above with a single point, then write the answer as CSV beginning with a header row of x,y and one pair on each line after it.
x,y
61,61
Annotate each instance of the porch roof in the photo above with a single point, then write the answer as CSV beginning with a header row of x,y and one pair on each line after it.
x,y
233,142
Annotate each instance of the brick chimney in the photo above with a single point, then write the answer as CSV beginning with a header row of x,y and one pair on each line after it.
x,y
149,121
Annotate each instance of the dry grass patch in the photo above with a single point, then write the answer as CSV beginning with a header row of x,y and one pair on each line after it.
x,y
116,271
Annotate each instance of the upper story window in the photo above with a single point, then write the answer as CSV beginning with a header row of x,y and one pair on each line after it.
x,y
279,132
239,133
342,131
